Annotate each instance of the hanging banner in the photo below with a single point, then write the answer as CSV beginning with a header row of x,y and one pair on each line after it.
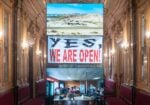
x,y
74,33
74,50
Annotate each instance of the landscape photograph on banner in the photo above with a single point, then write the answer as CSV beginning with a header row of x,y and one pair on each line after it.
x,y
74,19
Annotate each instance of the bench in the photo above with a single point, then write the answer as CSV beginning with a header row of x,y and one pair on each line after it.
x,y
36,101
110,88
7,98
23,94
41,88
40,94
124,99
142,98
126,94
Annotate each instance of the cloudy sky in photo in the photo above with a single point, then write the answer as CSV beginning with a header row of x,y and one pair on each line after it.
x,y
74,8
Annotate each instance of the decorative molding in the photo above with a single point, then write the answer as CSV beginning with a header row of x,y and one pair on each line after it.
x,y
114,13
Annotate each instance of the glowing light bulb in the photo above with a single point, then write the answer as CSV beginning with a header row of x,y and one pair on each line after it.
x,y
112,51
105,55
24,45
1,34
148,34
45,56
38,52
125,45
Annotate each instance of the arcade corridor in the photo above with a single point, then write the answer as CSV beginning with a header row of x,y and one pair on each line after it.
x,y
122,77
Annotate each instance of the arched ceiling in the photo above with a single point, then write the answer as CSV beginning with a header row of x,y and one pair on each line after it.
x,y
37,9
114,11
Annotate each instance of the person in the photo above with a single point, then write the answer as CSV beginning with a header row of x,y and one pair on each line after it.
x,y
71,93
72,90
57,90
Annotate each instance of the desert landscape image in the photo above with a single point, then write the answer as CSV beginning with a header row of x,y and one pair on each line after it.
x,y
75,21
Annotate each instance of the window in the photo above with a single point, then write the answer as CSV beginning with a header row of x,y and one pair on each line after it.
x,y
143,50
6,32
4,43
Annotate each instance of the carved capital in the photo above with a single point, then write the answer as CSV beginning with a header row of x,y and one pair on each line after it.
x,y
118,28
31,27
118,32
113,28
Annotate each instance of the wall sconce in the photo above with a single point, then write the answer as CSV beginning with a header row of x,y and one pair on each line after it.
x,y
24,44
31,42
45,55
112,51
1,34
38,52
132,44
147,38
105,55
125,45
148,34
145,60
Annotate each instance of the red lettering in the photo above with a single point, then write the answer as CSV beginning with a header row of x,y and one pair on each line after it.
x,y
74,56
91,56
55,55
65,56
86,55
99,56
96,57
52,55
70,55
81,56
